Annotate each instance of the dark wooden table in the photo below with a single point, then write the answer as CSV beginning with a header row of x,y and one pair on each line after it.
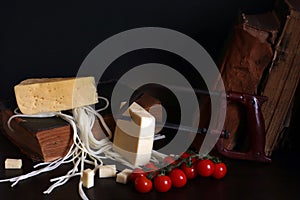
x,y
245,180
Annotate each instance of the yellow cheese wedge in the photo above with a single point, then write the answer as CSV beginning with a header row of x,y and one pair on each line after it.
x,y
55,94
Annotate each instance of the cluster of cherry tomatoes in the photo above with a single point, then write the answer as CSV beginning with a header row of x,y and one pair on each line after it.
x,y
176,171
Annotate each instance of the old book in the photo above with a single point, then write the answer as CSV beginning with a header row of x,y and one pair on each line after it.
x,y
248,53
45,139
284,73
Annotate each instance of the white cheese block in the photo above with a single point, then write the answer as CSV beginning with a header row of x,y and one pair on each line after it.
x,y
157,111
124,176
142,145
133,139
107,171
136,159
13,163
55,94
140,116
88,178
142,123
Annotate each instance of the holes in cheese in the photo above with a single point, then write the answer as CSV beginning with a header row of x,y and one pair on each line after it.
x,y
55,94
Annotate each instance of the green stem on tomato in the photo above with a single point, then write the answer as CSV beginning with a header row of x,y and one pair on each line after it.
x,y
188,161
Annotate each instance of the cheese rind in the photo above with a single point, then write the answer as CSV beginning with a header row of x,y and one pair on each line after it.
x,y
88,178
13,163
55,94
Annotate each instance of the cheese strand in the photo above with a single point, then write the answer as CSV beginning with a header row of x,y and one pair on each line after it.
x,y
85,148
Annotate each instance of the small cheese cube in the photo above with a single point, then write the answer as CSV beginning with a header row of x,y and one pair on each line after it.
x,y
126,171
88,178
124,176
55,94
13,163
107,171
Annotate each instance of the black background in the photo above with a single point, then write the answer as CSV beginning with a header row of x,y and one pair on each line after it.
x,y
51,39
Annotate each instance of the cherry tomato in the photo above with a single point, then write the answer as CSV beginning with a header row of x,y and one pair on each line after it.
x,y
184,155
142,184
190,171
162,183
178,178
220,170
136,172
205,167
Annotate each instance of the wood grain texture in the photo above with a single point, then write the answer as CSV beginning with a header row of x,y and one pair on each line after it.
x,y
45,139
283,77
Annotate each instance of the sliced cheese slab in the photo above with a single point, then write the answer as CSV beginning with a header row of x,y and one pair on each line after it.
x,y
156,110
55,94
133,139
142,123
140,116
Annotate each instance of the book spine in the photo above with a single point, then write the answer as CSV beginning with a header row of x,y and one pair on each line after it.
x,y
282,80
